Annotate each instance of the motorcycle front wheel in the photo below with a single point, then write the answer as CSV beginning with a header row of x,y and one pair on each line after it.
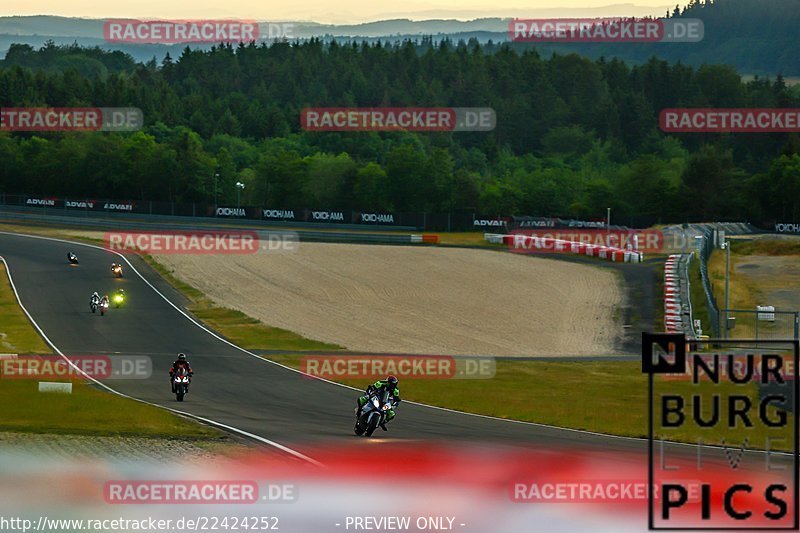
x,y
371,426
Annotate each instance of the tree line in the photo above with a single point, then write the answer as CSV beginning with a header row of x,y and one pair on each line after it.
x,y
574,135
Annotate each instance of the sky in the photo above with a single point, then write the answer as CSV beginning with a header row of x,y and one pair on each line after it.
x,y
327,11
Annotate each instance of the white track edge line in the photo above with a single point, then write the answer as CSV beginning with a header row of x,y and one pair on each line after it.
x,y
258,438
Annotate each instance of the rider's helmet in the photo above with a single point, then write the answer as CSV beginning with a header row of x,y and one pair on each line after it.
x,y
95,294
391,382
182,357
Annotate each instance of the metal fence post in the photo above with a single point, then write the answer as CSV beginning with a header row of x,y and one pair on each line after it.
x,y
757,328
727,245
797,326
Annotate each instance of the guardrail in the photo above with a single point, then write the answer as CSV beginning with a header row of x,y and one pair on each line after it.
x,y
145,224
183,220
705,249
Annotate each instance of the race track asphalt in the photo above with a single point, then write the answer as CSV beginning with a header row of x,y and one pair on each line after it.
x,y
230,386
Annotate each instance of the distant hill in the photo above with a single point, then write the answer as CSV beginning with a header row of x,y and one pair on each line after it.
x,y
757,37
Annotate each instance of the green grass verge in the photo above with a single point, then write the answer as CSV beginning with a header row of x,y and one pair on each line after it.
x,y
601,396
17,334
547,392
470,238
745,293
87,411
766,247
236,326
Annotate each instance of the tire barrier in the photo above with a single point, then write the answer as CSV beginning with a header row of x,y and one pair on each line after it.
x,y
526,243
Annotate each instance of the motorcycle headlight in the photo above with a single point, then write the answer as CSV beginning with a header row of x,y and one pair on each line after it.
x,y
386,407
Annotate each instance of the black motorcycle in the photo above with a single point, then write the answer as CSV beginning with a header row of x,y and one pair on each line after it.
x,y
373,413
72,258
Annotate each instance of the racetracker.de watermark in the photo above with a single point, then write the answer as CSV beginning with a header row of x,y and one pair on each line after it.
x,y
71,119
606,30
193,31
590,491
233,242
577,240
197,492
402,366
35,366
731,120
398,119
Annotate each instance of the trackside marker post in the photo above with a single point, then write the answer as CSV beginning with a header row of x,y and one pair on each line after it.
x,y
62,388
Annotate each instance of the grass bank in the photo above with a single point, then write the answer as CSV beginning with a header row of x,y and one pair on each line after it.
x,y
601,396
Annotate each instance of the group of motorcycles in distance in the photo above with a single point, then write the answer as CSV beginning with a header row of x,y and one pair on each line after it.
x,y
181,376
377,403
96,302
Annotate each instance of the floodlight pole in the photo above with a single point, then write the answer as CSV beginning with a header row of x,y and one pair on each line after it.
x,y
727,246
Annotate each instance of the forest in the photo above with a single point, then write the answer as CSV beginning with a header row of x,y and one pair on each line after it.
x,y
573,137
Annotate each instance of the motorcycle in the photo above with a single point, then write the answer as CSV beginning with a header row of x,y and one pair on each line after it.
x,y
180,384
72,258
93,305
103,307
117,271
119,299
373,413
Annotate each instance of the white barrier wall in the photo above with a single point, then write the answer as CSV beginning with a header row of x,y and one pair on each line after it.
x,y
673,295
533,243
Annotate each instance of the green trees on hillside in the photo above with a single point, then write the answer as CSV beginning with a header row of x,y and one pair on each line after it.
x,y
573,136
